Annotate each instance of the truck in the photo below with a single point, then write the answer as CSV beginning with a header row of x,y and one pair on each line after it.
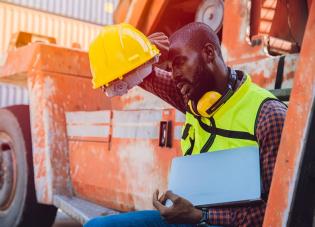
x,y
72,148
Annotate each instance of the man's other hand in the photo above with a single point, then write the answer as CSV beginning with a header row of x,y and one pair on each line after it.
x,y
160,40
182,211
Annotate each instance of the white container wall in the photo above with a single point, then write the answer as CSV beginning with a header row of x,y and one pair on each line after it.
x,y
66,31
93,11
13,95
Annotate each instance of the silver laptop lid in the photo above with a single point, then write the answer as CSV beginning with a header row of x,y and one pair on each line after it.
x,y
217,178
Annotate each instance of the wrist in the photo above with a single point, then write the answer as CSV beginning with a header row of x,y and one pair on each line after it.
x,y
203,221
197,215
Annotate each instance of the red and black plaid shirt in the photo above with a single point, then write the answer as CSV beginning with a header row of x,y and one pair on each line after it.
x,y
269,127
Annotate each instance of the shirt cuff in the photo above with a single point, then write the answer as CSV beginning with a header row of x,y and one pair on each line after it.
x,y
220,216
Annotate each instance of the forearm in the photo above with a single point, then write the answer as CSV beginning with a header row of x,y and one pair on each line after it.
x,y
160,84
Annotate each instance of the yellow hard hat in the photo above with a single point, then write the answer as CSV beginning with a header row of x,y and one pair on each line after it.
x,y
117,50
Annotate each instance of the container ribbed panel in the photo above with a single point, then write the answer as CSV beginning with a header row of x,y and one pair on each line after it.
x,y
92,11
66,31
13,95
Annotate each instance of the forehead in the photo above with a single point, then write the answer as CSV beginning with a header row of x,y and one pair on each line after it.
x,y
179,50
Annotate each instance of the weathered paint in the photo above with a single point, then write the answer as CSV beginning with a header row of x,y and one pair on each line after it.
x,y
92,124
140,124
291,147
54,86
80,209
81,117
128,172
235,46
101,131
246,39
133,154
263,71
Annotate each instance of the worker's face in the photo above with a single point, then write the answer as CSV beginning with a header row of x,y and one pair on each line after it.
x,y
190,73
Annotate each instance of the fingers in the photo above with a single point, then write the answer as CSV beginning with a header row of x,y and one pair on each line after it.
x,y
162,199
161,44
155,195
157,35
162,47
157,204
170,195
160,40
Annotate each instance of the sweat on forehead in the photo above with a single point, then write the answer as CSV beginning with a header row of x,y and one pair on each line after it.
x,y
194,35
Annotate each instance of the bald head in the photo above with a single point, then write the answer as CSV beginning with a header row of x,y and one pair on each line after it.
x,y
195,35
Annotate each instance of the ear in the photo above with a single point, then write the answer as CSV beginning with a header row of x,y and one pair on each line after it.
x,y
208,52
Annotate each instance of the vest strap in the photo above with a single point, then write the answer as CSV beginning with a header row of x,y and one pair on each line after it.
x,y
186,131
227,133
210,140
191,148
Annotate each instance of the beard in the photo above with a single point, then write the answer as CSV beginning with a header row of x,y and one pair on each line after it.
x,y
203,81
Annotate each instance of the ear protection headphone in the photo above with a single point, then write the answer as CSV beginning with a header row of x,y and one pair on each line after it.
x,y
212,100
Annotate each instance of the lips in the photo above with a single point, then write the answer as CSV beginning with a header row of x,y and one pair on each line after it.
x,y
185,90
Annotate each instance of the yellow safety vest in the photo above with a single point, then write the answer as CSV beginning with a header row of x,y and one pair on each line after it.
x,y
232,126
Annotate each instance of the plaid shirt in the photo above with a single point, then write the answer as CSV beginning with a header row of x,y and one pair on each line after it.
x,y
269,127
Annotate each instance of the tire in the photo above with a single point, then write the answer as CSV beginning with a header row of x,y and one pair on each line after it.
x,y
18,205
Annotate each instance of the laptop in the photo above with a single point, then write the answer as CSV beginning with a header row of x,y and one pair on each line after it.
x,y
227,177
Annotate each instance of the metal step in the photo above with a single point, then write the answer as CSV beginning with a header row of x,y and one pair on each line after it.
x,y
79,209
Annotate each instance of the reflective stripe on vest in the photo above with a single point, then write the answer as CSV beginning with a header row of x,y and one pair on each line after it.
x,y
232,126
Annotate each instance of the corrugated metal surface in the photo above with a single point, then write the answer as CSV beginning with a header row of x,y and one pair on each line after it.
x,y
66,31
94,11
13,95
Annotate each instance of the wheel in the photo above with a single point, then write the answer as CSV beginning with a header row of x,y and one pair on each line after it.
x,y
18,205
211,13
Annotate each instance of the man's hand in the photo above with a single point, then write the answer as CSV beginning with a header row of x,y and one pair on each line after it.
x,y
161,41
181,212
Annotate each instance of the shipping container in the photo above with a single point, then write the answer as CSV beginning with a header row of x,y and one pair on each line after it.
x,y
66,31
13,95
90,155
93,11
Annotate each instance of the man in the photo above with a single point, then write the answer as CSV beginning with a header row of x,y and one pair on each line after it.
x,y
224,110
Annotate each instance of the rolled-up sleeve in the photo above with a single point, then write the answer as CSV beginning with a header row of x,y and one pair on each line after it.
x,y
160,83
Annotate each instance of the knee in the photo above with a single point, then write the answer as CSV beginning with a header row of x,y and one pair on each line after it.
x,y
135,219
117,220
